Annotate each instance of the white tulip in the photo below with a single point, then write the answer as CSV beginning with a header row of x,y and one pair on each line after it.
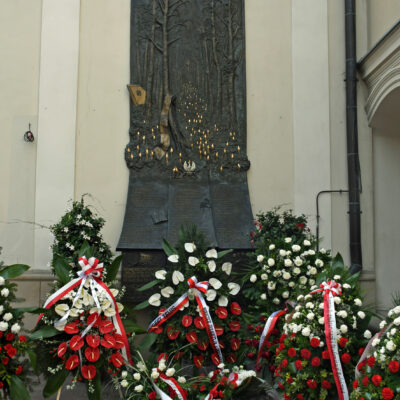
x,y
211,295
167,291
177,277
211,265
182,379
215,283
193,261
154,300
190,247
222,301
136,376
124,383
212,253
227,267
234,288
174,258
161,274
170,372
138,388
155,374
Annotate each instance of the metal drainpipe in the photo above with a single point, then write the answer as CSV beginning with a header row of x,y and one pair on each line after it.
x,y
353,163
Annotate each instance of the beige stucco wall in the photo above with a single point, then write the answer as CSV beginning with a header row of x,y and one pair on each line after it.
x,y
20,29
382,15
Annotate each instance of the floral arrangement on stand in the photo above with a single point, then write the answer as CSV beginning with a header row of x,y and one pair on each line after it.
x,y
321,341
378,371
14,347
82,332
281,268
196,294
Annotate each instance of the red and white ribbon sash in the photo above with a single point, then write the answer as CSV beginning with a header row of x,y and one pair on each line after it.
x,y
92,270
173,384
266,333
233,379
200,287
331,289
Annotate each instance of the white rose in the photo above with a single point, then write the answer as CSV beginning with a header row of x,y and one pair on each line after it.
x,y
1,309
291,284
319,263
276,300
15,328
264,277
296,270
397,321
313,271
288,240
358,302
7,316
382,324
311,252
227,267
271,285
271,262
298,261
337,300
124,383
2,281
182,379
222,301
167,291
141,366
361,314
190,247
343,329
154,300
170,372
215,283
390,345
286,276
285,294
310,305
234,288
161,365
310,316
263,296
337,277
260,258
288,262
311,281
367,334
3,326
321,320
375,342
5,292
193,261
174,258
300,297
276,274
303,280
271,247
138,388
296,248
307,243
136,376
306,331
253,278
211,295
212,253
211,265
342,313
177,277
396,310
161,274
282,253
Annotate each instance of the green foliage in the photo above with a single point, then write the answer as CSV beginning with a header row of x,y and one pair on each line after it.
x,y
13,271
18,389
54,382
44,332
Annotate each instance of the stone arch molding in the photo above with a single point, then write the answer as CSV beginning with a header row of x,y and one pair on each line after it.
x,y
380,70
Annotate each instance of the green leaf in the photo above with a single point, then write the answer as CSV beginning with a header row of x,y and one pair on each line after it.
x,y
148,285
168,248
62,269
142,305
55,382
45,332
224,253
18,389
321,278
131,326
33,359
337,263
112,270
86,250
96,382
21,311
352,281
13,271
148,341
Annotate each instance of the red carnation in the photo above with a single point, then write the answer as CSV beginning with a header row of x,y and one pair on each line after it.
x,y
10,336
325,355
234,326
88,371
292,352
298,365
18,371
92,354
117,359
199,323
235,309
5,360
312,384
72,362
221,312
191,337
11,351
371,361
106,326
62,349
76,343
376,380
22,338
355,384
108,341
365,381
305,353
93,340
346,358
393,366
315,342
361,351
152,396
387,393
316,362
343,341
187,321
326,384
284,363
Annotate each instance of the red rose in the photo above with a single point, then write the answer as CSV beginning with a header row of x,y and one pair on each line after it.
x,y
106,326
361,351
312,384
76,343
326,384
346,358
62,349
92,354
22,338
119,341
387,394
315,342
10,336
393,366
18,371
172,333
235,344
71,328
284,363
88,371
305,353
355,384
5,360
235,309
187,321
371,361
282,338
292,352
298,365
198,361
365,381
93,340
117,359
72,362
191,337
152,396
221,312
325,355
234,326
376,380
315,362
199,323
108,341
343,341
11,351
